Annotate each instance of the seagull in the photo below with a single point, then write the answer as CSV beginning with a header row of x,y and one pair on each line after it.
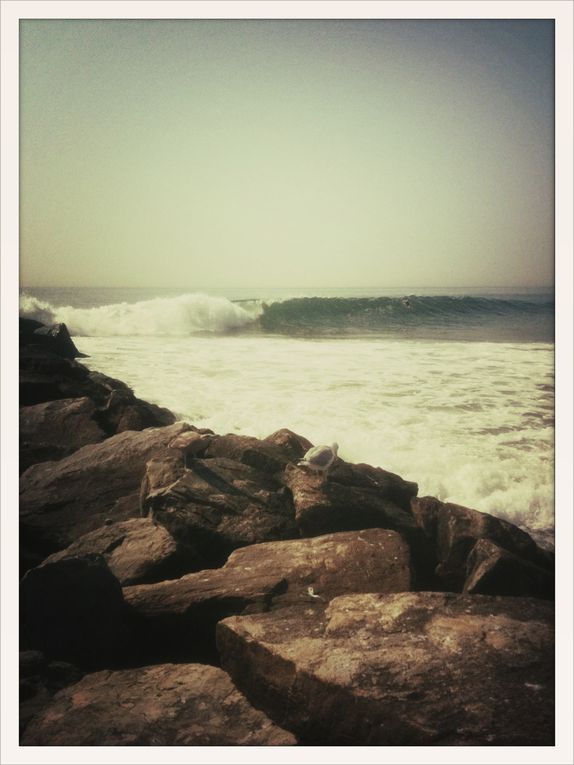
x,y
320,458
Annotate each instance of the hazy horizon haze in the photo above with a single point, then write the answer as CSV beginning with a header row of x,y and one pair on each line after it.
x,y
231,154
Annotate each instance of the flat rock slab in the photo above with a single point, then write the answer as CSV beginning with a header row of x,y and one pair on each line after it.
x,y
137,551
60,501
162,705
281,573
372,560
180,615
400,669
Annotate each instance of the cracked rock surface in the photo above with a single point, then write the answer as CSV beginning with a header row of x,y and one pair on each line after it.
x,y
400,669
161,705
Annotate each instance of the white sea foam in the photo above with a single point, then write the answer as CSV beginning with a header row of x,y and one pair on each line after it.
x,y
472,423
163,316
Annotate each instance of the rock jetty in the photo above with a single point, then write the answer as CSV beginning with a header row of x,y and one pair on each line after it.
x,y
182,587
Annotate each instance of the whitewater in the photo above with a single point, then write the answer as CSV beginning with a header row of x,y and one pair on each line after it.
x,y
455,392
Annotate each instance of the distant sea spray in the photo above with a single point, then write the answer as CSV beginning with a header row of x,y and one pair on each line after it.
x,y
448,317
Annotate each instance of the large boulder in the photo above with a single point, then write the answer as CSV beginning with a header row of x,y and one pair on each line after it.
x,y
73,610
291,444
408,669
179,617
55,429
137,551
120,410
45,376
55,339
60,501
163,705
264,456
357,496
27,328
49,373
217,505
348,498
491,570
454,531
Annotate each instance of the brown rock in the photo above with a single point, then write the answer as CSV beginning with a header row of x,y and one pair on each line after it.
x,y
60,501
494,571
344,500
39,681
32,696
408,669
390,485
164,705
372,560
55,429
120,410
27,328
290,444
161,471
454,530
192,443
73,609
260,455
31,663
179,616
217,505
47,376
137,551
353,497
55,339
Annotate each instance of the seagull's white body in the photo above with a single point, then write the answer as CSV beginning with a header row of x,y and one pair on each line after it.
x,y
320,458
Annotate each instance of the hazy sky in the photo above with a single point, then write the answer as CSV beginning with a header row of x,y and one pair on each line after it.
x,y
287,153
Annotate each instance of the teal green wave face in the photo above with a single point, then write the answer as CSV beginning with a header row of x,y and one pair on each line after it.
x,y
287,153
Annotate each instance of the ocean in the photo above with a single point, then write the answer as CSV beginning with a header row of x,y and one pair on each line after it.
x,y
453,389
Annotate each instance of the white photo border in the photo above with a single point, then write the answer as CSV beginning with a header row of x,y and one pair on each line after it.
x,y
559,10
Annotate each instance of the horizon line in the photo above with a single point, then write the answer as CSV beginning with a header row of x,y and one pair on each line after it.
x,y
288,287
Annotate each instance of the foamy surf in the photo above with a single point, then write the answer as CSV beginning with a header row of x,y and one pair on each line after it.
x,y
472,423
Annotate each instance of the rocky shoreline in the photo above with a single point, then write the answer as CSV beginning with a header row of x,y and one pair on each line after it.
x,y
181,587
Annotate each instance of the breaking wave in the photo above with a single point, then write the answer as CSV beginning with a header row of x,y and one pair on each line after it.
x,y
467,317
174,316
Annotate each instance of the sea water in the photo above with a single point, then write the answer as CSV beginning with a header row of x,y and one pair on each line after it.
x,y
452,390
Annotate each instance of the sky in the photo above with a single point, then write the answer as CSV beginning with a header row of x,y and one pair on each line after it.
x,y
329,154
